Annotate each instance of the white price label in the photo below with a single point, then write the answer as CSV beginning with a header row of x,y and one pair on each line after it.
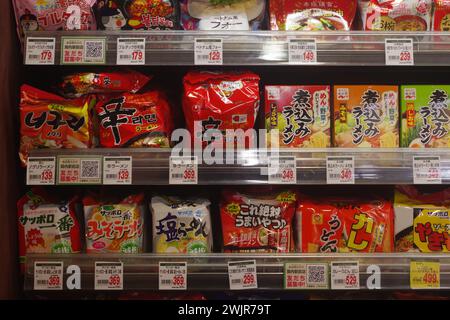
x,y
40,51
344,275
48,275
306,276
282,170
41,171
183,170
340,170
303,51
208,52
86,170
232,22
117,170
83,50
172,276
130,51
108,276
399,52
427,170
242,275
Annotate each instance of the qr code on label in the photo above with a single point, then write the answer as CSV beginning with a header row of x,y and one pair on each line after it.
x,y
90,169
94,50
316,274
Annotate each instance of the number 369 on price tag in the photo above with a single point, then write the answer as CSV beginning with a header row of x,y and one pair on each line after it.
x,y
183,170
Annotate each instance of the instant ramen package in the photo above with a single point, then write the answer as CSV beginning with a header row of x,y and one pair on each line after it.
x,y
258,223
222,15
50,121
114,227
181,225
441,15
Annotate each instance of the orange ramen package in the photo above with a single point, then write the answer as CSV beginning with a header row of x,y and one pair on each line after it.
x,y
114,227
257,223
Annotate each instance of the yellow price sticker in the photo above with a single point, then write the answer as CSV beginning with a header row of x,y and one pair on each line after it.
x,y
425,275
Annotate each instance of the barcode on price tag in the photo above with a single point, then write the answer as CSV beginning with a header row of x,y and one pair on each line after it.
x,y
117,170
303,51
242,275
75,50
344,275
41,171
130,51
427,170
40,51
183,170
79,170
425,275
108,276
282,170
172,276
48,275
208,51
340,170
399,52
306,276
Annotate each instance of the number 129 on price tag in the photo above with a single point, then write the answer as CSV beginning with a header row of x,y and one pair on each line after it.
x,y
208,51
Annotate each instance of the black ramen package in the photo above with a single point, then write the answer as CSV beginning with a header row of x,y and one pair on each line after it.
x,y
220,15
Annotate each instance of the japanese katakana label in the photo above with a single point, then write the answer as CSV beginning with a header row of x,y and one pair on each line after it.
x,y
399,52
306,276
73,170
208,51
183,170
344,275
282,170
427,170
242,275
130,51
172,276
40,51
83,50
117,170
425,275
232,22
108,276
48,275
302,51
41,171
340,170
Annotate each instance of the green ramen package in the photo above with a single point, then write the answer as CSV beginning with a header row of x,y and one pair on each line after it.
x,y
181,225
425,116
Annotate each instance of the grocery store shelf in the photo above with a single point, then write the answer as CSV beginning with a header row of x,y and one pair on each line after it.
x,y
372,166
354,48
210,272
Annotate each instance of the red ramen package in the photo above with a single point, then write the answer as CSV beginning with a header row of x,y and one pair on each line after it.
x,y
312,15
398,15
222,15
258,223
50,121
47,225
441,15
135,120
114,227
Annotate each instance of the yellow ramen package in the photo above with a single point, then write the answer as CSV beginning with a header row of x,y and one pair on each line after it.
x,y
181,225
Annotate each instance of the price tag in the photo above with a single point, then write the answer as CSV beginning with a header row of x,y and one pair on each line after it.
x,y
303,51
340,170
41,171
344,275
76,50
242,275
40,51
208,51
183,170
79,170
172,276
130,51
282,170
425,275
399,52
306,276
117,170
232,22
108,276
427,170
48,275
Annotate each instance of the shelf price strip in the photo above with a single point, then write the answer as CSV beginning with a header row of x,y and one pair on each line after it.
x,y
282,170
108,276
302,51
131,51
172,275
80,51
306,276
427,170
40,51
399,52
345,275
425,275
208,51
183,170
340,170
48,275
242,275
117,170
79,170
41,171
